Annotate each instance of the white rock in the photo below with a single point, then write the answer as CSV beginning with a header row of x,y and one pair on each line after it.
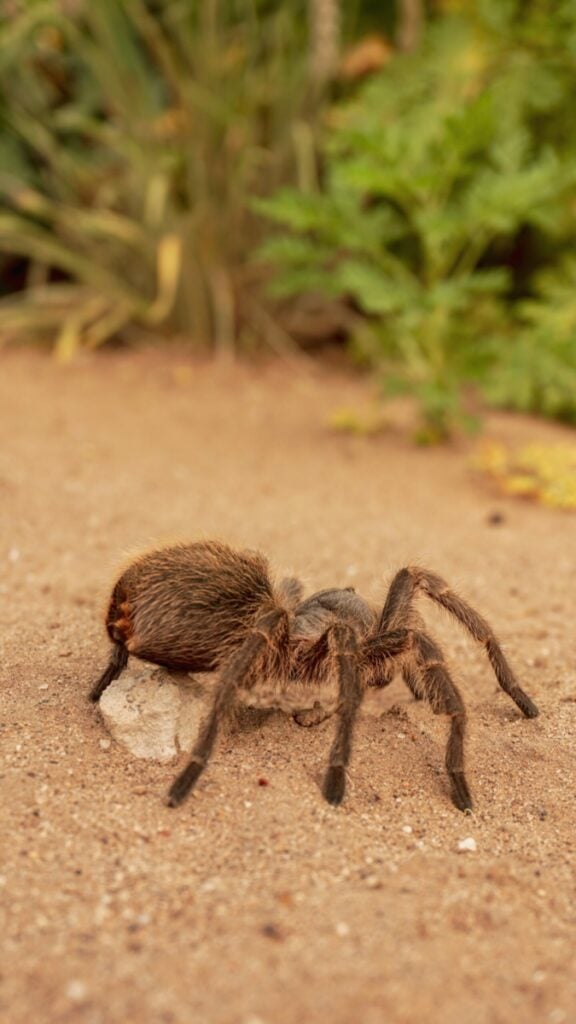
x,y
467,845
152,712
194,702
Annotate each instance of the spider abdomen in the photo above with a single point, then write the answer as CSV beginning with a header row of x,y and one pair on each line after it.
x,y
189,605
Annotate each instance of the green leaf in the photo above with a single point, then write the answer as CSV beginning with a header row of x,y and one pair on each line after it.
x,y
373,291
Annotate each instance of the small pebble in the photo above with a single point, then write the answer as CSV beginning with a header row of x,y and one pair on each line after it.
x,y
105,744
43,686
467,845
557,1016
407,829
373,882
76,991
342,929
495,518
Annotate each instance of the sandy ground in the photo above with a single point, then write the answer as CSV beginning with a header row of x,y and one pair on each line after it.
x,y
260,904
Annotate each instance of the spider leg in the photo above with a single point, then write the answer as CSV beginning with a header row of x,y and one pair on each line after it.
x,y
117,663
379,652
412,680
441,692
375,650
344,648
410,674
424,668
115,623
398,609
270,631
397,612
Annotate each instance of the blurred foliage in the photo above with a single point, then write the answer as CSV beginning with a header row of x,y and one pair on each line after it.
x,y
536,370
540,472
132,137
366,423
146,145
432,174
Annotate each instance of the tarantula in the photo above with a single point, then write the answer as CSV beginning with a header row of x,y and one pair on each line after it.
x,y
204,607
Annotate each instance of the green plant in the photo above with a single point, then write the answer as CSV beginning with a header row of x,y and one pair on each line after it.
x,y
536,370
428,174
132,138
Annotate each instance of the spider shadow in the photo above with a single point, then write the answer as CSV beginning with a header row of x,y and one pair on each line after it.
x,y
243,719
246,720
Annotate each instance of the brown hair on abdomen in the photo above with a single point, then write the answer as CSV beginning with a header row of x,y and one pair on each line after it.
x,y
179,605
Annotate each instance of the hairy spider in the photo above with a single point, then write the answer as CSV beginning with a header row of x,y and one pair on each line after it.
x,y
204,607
